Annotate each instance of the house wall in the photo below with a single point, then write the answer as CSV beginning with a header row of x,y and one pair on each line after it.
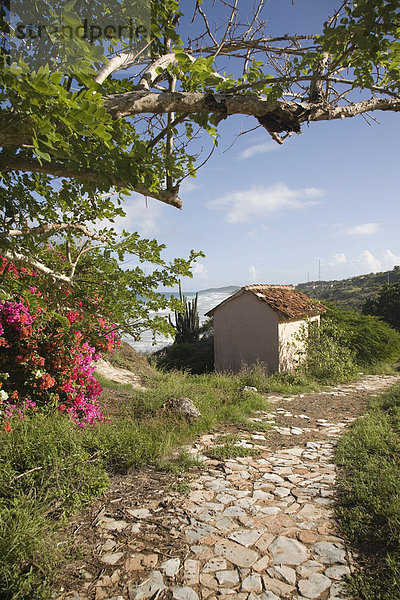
x,y
245,332
291,349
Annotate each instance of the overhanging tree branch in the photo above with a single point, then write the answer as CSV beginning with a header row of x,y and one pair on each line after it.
x,y
36,264
53,227
17,163
280,114
310,65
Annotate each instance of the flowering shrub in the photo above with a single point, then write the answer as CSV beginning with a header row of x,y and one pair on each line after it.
x,y
47,354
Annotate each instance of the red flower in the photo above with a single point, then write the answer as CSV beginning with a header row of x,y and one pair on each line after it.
x,y
47,381
7,426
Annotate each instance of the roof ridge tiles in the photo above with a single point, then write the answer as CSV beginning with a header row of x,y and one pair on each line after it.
x,y
268,285
286,300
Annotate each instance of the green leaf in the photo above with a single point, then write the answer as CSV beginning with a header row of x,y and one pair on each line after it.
x,y
44,155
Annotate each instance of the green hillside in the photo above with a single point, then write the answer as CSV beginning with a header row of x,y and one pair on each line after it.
x,y
350,292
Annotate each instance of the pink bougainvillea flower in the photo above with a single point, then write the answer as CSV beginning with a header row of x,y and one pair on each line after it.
x,y
49,362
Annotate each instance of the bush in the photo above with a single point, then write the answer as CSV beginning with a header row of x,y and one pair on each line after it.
x,y
327,355
372,340
196,358
47,350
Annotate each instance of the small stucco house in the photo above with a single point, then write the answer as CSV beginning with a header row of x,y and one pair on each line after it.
x,y
258,324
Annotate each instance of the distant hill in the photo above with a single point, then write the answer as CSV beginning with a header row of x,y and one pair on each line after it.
x,y
350,292
229,289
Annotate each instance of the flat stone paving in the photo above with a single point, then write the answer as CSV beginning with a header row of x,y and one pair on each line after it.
x,y
252,528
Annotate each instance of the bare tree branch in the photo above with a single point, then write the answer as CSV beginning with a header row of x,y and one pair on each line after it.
x,y
200,10
282,114
162,133
53,227
254,44
321,113
121,61
149,77
17,163
11,256
228,28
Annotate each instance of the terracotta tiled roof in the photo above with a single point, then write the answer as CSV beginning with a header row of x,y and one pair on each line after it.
x,y
288,302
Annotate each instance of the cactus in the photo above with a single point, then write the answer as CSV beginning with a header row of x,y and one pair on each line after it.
x,y
187,323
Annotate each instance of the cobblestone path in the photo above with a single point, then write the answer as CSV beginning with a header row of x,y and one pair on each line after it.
x,y
251,528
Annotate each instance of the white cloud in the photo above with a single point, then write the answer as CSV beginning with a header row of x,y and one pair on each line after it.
x,y
260,202
391,259
199,270
363,229
339,258
140,216
369,261
253,274
187,186
257,149
386,261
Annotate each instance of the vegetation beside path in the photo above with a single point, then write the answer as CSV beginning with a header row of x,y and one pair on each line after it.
x,y
368,505
49,468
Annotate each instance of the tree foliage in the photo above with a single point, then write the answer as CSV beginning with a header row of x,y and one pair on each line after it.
x,y
385,305
99,119
371,340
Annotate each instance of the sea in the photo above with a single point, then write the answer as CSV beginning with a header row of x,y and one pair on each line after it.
x,y
207,300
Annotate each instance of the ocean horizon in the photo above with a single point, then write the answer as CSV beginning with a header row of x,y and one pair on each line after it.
x,y
207,300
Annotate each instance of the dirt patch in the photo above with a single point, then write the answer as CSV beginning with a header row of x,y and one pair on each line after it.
x,y
330,407
153,537
327,406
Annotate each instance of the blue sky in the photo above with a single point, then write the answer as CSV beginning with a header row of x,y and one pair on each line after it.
x,y
268,214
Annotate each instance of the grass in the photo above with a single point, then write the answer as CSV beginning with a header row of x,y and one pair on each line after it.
x,y
256,426
180,463
278,383
226,447
46,473
143,434
368,506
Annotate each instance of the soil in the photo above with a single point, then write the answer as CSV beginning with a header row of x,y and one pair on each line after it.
x,y
319,405
147,486
316,406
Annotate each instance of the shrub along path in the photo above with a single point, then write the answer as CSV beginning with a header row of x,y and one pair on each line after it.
x,y
248,528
